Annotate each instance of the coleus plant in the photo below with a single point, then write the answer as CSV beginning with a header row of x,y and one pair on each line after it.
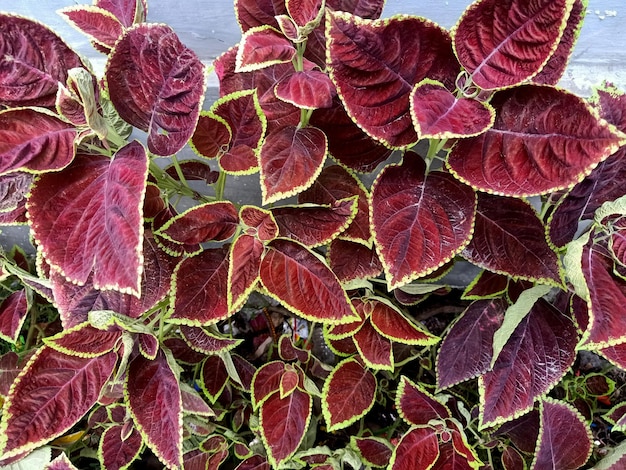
x,y
284,332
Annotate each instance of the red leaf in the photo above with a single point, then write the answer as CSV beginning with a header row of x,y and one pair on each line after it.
x,y
127,12
193,403
62,462
213,221
84,340
373,81
290,273
243,270
467,349
350,261
303,12
251,13
509,238
153,396
156,84
392,324
148,345
116,450
261,47
79,214
561,426
416,406
291,159
543,139
33,61
336,183
416,228
13,189
439,114
99,24
537,355
314,225
214,377
261,221
256,462
200,284
206,342
51,394
504,43
283,423
194,170
348,394
9,370
13,311
266,381
418,448
309,90
35,141
611,103
375,349
374,451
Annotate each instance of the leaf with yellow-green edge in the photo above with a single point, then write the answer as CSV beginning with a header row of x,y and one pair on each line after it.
x,y
100,25
290,273
84,340
62,462
263,46
416,406
345,330
243,269
418,448
259,222
615,459
266,381
375,350
214,377
352,261
349,392
486,285
13,312
288,381
206,342
50,395
373,451
290,160
118,450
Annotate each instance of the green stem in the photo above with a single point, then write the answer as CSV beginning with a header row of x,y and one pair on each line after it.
x,y
220,185
166,182
33,329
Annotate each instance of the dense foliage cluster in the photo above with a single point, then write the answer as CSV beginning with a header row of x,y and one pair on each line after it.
x,y
162,323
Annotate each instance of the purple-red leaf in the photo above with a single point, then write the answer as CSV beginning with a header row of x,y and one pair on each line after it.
x,y
194,170
309,90
261,223
261,47
214,377
537,355
290,160
350,261
467,349
561,426
85,341
543,139
509,238
314,225
90,215
418,448
33,61
99,24
62,462
156,84
35,141
283,423
9,370
438,114
348,394
374,81
206,342
13,189
116,450
420,220
201,288
153,396
266,381
611,103
213,221
416,406
374,348
243,269
13,311
51,394
127,12
375,451
392,324
504,43
291,274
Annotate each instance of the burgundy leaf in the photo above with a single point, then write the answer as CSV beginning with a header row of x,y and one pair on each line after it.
x,y
543,139
13,311
193,403
156,84
206,342
283,423
555,67
266,381
523,431
562,425
211,136
374,451
194,170
438,114
62,462
79,214
333,184
288,352
214,377
314,225
148,345
604,183
261,221
251,13
420,220
213,221
256,462
370,9
153,396
84,340
99,24
303,12
374,81
509,238
33,61
116,450
51,394
418,448
13,189
611,103
309,90
127,12
200,284
615,354
9,370
486,285
35,141
416,406
16,216
245,370
504,43
261,47
290,273
290,161
182,352
348,394
243,269
512,459
374,349
350,261
537,355
391,323
449,457
467,349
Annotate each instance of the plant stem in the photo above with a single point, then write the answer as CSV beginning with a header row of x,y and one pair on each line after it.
x,y
220,185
